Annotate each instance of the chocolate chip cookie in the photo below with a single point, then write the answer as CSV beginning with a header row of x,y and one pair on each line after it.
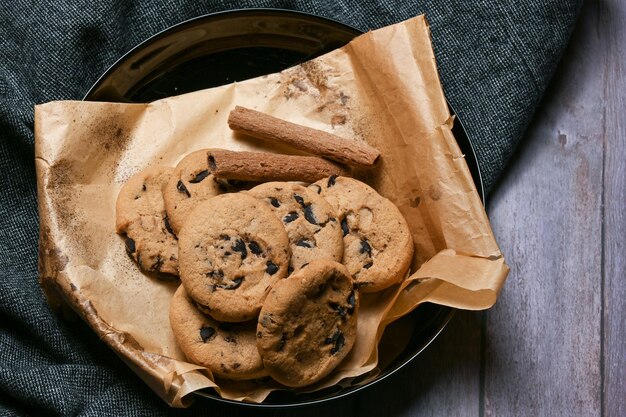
x,y
140,215
227,349
378,247
311,223
308,323
191,183
232,250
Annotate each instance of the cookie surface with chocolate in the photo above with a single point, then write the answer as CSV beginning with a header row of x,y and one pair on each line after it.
x,y
140,215
227,349
311,223
378,246
191,183
232,249
308,323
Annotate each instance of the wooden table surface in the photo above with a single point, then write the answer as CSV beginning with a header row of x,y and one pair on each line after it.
x,y
555,342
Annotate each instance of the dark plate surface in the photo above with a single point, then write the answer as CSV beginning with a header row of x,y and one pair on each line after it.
x,y
220,48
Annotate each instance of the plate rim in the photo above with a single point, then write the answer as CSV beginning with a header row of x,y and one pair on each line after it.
x,y
447,311
194,20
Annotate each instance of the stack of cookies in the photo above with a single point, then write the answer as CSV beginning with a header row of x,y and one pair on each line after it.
x,y
271,269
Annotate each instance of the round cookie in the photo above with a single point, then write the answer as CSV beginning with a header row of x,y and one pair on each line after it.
x,y
190,184
378,246
311,223
227,349
140,215
232,249
308,323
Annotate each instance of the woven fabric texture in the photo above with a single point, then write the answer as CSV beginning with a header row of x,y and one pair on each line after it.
x,y
495,60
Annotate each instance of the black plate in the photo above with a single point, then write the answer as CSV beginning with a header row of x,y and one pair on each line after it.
x,y
220,48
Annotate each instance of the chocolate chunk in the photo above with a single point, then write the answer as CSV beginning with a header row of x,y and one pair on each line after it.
x,y
344,227
351,302
365,247
143,187
130,246
236,283
299,199
181,188
331,180
166,220
216,274
272,268
290,217
224,237
199,177
274,202
207,333
337,339
211,161
240,247
339,309
304,243
368,265
339,343
308,214
255,248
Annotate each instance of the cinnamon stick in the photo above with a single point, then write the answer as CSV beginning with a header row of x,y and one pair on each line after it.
x,y
264,166
317,142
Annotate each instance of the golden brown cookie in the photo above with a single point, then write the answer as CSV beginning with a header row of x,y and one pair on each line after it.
x,y
308,323
378,246
140,215
311,223
191,183
232,250
227,349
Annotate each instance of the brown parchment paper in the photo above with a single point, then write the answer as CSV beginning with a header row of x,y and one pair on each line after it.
x,y
382,88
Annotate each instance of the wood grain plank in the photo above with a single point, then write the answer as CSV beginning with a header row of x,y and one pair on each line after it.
x,y
612,23
543,339
442,381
